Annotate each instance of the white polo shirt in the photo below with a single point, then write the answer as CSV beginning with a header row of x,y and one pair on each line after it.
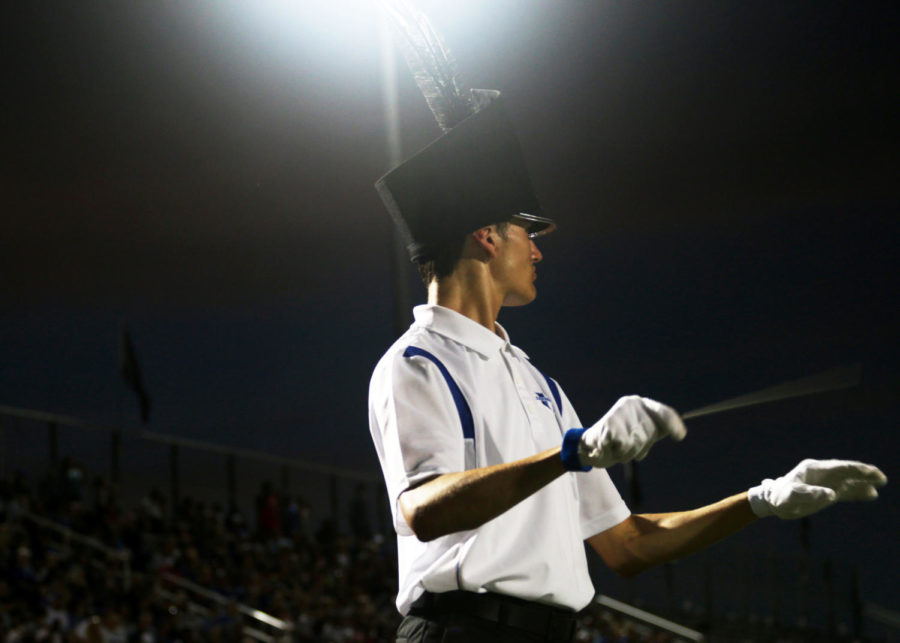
x,y
450,395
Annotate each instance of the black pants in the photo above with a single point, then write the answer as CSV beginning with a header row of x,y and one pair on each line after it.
x,y
464,617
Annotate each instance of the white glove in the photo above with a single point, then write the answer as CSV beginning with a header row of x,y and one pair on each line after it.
x,y
813,485
627,431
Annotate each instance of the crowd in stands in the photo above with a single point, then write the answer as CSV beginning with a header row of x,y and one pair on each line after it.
x,y
329,586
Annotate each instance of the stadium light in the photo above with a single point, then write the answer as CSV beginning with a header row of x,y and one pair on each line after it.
x,y
345,24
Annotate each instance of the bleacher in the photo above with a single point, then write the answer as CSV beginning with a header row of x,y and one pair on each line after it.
x,y
86,557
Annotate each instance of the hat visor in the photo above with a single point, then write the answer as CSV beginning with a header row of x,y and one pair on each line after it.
x,y
534,225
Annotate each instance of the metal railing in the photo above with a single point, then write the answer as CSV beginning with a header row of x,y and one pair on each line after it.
x,y
654,621
767,590
130,465
283,628
752,587
882,622
67,535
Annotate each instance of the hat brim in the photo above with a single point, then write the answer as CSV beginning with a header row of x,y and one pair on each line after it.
x,y
534,225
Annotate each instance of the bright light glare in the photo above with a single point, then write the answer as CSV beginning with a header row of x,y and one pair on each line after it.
x,y
389,96
326,24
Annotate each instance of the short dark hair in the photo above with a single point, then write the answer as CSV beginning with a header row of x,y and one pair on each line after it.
x,y
446,256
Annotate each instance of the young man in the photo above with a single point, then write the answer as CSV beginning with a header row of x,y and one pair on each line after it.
x,y
493,488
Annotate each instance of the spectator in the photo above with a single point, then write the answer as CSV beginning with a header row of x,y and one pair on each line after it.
x,y
268,514
332,588
153,507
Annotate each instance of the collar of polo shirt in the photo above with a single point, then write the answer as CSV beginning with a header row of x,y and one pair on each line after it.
x,y
465,331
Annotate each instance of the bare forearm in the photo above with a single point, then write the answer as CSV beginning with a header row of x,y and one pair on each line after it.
x,y
459,501
647,540
673,535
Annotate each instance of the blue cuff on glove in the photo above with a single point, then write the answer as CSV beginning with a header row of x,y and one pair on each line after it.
x,y
569,452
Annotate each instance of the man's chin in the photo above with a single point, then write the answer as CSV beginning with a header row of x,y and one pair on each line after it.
x,y
520,299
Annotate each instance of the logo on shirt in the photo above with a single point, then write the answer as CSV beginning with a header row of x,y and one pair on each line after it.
x,y
543,399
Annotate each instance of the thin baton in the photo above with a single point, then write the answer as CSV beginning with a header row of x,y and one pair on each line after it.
x,y
831,380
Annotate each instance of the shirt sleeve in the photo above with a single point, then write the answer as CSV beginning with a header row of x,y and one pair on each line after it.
x,y
600,505
415,426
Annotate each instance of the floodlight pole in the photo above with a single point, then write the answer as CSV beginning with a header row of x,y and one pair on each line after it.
x,y
394,154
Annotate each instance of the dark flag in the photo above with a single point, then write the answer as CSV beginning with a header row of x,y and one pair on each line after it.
x,y
131,373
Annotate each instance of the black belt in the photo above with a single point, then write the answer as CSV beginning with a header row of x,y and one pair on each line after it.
x,y
554,623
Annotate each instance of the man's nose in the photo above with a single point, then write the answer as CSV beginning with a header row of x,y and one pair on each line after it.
x,y
536,255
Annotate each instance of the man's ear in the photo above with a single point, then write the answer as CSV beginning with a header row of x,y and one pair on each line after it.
x,y
486,240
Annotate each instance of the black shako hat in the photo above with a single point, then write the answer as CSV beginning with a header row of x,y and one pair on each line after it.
x,y
472,176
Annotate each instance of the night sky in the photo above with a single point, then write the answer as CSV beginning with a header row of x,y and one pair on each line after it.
x,y
724,176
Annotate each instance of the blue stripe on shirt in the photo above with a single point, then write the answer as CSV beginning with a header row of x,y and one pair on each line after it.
x,y
462,407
